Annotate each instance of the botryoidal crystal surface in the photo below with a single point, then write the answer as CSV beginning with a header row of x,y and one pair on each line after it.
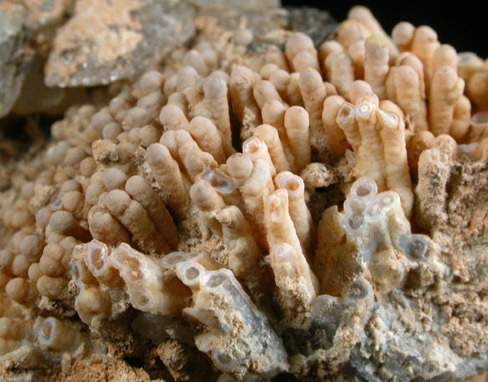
x,y
262,198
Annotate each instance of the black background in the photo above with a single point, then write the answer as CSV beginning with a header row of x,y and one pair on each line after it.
x,y
464,26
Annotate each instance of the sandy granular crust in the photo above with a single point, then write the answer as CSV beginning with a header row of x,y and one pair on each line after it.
x,y
96,369
108,44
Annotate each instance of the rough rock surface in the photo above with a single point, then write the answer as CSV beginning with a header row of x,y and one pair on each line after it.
x,y
124,38
219,212
15,55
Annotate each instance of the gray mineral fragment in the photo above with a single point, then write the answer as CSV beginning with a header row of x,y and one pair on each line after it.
x,y
106,41
15,55
236,4
316,23
45,13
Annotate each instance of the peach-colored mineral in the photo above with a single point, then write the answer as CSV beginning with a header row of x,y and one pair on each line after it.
x,y
251,208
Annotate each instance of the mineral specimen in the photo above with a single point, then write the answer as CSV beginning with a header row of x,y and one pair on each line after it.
x,y
15,54
123,38
258,205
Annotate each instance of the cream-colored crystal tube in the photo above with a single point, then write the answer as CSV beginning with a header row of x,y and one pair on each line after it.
x,y
358,89
255,148
54,334
257,185
390,107
205,197
240,168
298,132
376,65
336,139
246,109
216,102
296,44
299,212
408,94
137,187
271,138
402,35
347,122
64,223
461,120
273,113
145,284
169,178
267,70
136,220
477,88
95,256
104,227
350,31
265,91
446,88
365,17
15,329
207,200
293,90
224,185
421,141
356,52
395,151
279,225
178,99
370,159
306,59
313,94
243,250
195,160
219,306
424,44
187,76
286,258
173,139
339,68
172,118
205,133
21,290
468,63
444,55
328,47
414,62
280,79
187,152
